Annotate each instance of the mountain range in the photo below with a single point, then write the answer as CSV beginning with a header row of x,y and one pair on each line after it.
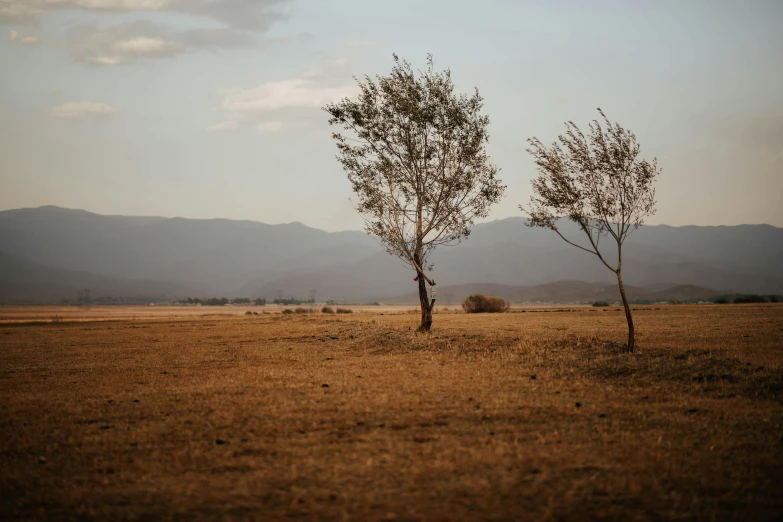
x,y
48,253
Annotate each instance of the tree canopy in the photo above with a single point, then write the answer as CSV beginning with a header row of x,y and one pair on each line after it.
x,y
415,154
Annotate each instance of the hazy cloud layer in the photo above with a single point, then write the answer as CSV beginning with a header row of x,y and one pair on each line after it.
x,y
148,40
120,44
254,15
16,12
241,23
82,110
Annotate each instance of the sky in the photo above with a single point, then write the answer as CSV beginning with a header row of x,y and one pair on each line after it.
x,y
212,108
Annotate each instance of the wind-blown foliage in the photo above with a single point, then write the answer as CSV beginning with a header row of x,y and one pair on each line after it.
x,y
417,161
597,181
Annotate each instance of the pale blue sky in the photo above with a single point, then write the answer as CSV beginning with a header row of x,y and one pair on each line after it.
x,y
210,108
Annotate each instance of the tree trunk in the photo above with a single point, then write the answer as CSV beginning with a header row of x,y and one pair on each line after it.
x,y
628,316
426,305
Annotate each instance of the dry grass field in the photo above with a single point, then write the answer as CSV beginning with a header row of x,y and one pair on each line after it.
x,y
529,415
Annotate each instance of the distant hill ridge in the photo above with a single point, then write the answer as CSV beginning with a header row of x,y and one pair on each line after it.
x,y
246,258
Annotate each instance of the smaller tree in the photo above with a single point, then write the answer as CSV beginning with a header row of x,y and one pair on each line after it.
x,y
598,182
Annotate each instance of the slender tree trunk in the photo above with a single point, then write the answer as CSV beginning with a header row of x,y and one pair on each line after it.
x,y
628,316
426,306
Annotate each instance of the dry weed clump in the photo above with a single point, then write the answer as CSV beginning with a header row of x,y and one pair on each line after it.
x,y
481,304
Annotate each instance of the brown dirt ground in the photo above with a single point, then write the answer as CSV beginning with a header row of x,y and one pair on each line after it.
x,y
531,415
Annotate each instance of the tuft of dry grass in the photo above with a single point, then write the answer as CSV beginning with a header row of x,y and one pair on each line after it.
x,y
519,416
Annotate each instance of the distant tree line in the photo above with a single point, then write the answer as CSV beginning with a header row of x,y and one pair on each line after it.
x,y
747,298
292,301
223,301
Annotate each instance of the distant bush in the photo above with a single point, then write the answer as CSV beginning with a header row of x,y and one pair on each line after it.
x,y
481,304
600,303
327,310
721,300
753,298
774,299
344,311
248,313
288,311
300,310
261,301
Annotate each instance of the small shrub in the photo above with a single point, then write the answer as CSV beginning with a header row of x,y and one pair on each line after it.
x,y
344,311
300,310
327,310
288,311
600,303
481,304
248,313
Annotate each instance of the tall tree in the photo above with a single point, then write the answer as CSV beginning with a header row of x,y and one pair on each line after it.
x,y
416,158
598,182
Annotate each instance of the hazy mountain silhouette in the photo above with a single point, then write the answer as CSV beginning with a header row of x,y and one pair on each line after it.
x,y
28,282
233,258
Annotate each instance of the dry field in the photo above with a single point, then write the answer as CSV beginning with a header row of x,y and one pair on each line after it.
x,y
530,415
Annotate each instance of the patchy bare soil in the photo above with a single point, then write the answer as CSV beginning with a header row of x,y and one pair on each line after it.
x,y
531,415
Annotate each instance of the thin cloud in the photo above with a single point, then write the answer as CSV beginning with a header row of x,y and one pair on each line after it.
x,y
144,39
25,39
269,126
122,43
223,126
105,60
253,106
283,94
363,43
82,110
147,46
